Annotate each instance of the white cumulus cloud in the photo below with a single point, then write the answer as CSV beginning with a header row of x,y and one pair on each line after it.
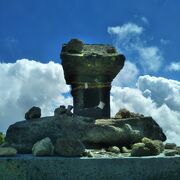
x,y
127,76
174,66
129,39
28,83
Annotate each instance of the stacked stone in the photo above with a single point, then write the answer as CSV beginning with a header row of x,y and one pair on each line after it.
x,y
90,69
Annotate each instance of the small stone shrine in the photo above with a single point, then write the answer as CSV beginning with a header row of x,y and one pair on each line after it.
x,y
90,69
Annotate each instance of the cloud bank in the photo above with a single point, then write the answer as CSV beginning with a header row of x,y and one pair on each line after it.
x,y
28,83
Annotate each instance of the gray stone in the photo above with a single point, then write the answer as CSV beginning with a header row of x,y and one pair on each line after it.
x,y
124,149
60,110
33,113
7,151
170,146
155,146
88,153
112,132
114,149
69,147
73,46
128,154
43,147
139,149
170,152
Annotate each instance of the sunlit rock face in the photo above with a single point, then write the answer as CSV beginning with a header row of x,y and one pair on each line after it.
x,y
90,69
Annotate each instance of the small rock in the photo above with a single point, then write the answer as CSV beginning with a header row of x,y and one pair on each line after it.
x,y
125,150
66,147
59,111
88,153
155,146
126,154
170,152
114,149
74,46
170,146
178,150
123,113
43,147
7,151
139,149
33,113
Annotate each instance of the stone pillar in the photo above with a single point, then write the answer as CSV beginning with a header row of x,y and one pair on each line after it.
x,y
90,69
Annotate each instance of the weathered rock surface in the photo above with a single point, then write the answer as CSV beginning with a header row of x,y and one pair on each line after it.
x,y
155,146
114,149
124,149
106,132
147,147
43,147
33,113
69,147
170,146
7,151
170,152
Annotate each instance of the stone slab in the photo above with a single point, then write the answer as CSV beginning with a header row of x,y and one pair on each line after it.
x,y
28,167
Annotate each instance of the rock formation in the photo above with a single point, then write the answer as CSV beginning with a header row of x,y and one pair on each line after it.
x,y
104,132
90,69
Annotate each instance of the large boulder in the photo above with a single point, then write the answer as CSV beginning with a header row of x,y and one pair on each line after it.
x,y
69,147
43,147
106,132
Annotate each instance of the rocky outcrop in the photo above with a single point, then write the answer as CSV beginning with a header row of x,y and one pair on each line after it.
x,y
7,151
43,147
33,113
69,147
104,132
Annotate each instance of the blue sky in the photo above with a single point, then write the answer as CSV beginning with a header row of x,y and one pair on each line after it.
x,y
36,29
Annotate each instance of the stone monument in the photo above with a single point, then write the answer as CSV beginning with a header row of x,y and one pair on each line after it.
x,y
90,69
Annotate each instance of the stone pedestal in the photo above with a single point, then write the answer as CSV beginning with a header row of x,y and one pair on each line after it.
x,y
90,69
